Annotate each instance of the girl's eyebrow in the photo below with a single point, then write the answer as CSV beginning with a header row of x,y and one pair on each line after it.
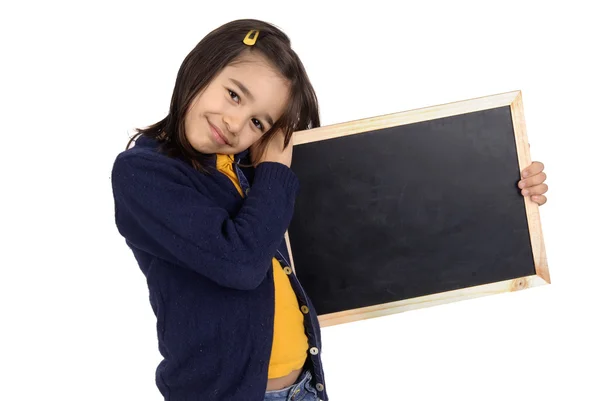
x,y
247,93
245,90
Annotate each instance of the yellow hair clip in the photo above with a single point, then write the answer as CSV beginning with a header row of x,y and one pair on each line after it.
x,y
251,37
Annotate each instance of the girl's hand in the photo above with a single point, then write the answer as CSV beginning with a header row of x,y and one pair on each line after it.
x,y
273,151
533,183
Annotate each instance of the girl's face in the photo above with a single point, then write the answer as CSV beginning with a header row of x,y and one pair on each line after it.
x,y
237,107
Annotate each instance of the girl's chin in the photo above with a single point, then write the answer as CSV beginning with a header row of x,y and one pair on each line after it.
x,y
201,146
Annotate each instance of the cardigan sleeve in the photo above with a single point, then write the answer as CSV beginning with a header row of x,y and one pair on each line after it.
x,y
159,210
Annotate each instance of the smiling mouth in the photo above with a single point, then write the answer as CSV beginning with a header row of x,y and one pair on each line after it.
x,y
218,135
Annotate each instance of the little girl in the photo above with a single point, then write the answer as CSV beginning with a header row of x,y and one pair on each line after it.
x,y
203,200
206,218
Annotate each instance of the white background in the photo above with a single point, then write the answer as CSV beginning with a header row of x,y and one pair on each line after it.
x,y
76,78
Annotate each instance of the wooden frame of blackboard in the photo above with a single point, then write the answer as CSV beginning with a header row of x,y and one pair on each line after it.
x,y
512,99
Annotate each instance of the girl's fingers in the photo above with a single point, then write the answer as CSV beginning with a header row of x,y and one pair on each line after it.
x,y
533,169
533,180
535,190
539,199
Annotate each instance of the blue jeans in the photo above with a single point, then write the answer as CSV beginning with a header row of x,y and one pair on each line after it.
x,y
302,390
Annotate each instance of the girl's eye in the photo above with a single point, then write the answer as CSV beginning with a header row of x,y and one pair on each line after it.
x,y
257,124
234,96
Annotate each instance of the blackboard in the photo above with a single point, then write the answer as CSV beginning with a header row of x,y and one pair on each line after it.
x,y
415,209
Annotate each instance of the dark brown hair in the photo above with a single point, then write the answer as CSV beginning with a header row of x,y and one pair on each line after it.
x,y
214,52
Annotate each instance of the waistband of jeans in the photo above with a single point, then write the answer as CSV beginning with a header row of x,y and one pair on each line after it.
x,y
304,378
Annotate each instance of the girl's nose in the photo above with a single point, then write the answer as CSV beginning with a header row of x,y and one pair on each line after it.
x,y
233,123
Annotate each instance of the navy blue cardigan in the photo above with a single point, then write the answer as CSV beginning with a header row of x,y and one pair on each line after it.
x,y
206,253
